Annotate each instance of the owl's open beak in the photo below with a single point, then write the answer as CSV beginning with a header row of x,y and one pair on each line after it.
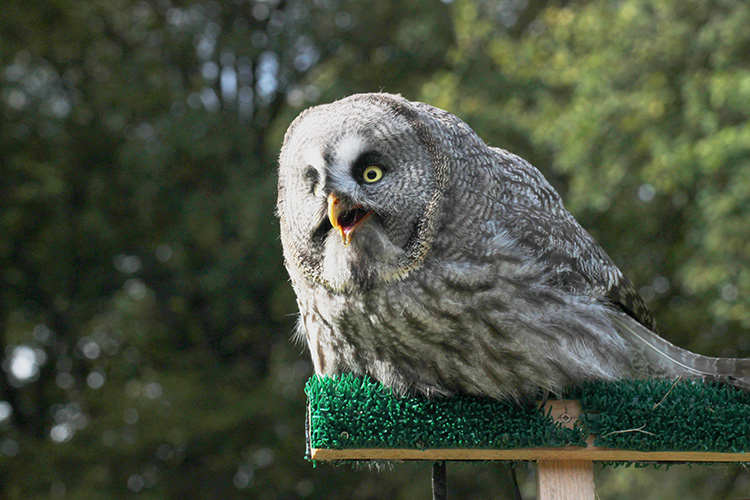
x,y
345,220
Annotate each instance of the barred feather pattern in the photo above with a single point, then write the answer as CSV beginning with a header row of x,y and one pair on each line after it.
x,y
464,329
468,276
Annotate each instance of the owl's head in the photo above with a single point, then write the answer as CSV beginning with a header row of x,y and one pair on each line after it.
x,y
362,184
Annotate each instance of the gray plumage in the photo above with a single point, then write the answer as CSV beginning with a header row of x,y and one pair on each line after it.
x,y
434,263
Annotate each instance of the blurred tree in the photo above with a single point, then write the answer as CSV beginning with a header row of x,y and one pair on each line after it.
x,y
144,310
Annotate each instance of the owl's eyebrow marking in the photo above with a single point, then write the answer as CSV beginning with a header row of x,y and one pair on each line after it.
x,y
314,158
339,158
350,148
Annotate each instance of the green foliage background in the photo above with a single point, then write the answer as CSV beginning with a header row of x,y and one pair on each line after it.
x,y
145,316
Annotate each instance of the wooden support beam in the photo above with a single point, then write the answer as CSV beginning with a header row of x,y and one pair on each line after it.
x,y
565,480
530,454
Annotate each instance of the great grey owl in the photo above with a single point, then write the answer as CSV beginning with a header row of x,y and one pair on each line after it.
x,y
434,263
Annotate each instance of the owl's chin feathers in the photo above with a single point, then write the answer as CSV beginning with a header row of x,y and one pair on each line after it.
x,y
366,262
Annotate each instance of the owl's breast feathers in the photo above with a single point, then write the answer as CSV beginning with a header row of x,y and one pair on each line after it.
x,y
476,327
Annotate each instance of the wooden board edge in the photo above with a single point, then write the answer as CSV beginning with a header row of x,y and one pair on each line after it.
x,y
527,454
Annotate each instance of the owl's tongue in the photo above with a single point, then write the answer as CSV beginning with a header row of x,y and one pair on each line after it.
x,y
345,221
348,220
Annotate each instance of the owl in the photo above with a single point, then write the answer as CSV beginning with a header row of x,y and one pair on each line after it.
x,y
436,264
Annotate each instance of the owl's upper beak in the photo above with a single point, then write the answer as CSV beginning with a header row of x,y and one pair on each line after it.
x,y
344,219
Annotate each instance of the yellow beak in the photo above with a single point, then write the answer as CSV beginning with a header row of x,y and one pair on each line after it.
x,y
333,215
334,212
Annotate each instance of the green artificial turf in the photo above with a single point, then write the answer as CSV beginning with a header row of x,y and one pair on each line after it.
x,y
653,415
660,415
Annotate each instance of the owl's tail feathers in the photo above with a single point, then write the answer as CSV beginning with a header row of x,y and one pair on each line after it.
x,y
663,359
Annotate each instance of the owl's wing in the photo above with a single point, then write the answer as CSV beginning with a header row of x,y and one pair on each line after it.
x,y
574,261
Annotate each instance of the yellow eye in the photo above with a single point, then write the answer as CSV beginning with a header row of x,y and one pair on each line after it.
x,y
373,173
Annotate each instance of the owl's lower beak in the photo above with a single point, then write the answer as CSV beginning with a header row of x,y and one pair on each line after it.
x,y
345,221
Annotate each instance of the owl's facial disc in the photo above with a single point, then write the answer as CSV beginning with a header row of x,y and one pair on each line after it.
x,y
345,220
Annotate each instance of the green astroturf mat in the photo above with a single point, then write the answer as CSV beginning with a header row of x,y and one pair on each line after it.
x,y
653,415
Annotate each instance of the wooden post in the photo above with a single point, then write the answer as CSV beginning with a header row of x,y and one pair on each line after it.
x,y
565,480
